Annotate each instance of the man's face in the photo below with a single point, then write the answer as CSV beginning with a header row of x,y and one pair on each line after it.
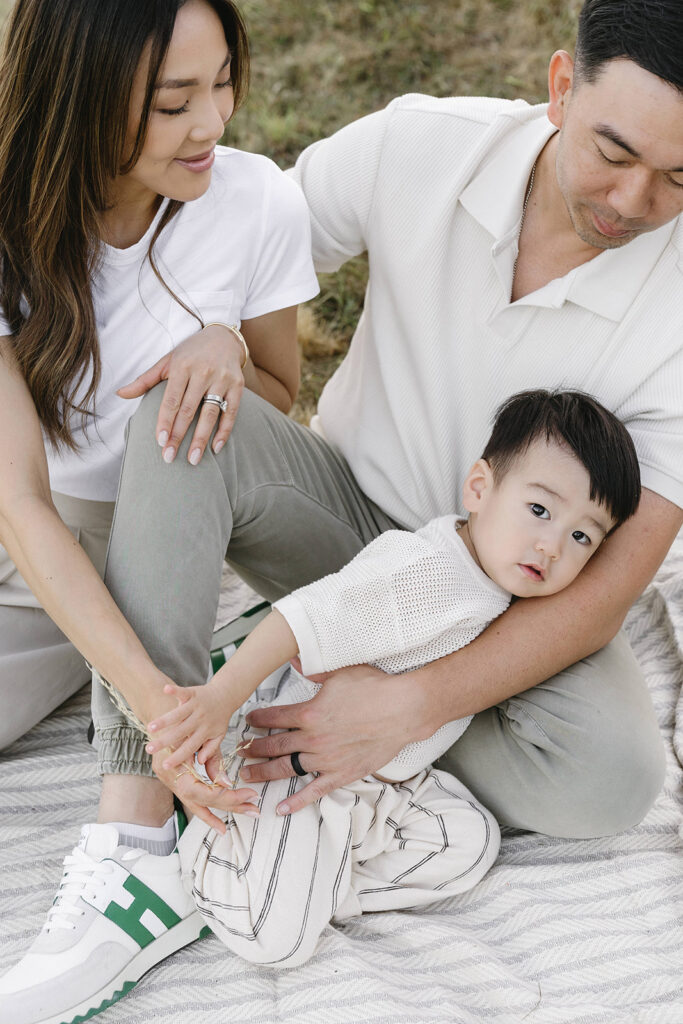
x,y
619,153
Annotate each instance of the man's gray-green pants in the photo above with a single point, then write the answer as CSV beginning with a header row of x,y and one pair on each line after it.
x,y
579,755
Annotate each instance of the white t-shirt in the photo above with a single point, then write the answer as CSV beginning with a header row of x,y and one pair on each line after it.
x,y
241,250
433,189
406,599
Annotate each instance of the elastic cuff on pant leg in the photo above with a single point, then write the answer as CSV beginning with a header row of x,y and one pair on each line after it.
x,y
121,751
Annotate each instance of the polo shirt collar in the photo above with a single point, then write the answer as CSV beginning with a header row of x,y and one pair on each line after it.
x,y
495,195
607,284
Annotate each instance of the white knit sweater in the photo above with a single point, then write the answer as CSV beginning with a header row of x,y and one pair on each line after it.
x,y
404,600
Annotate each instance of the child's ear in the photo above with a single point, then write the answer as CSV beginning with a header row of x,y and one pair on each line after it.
x,y
478,483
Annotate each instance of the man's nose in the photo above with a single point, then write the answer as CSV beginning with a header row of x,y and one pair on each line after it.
x,y
631,197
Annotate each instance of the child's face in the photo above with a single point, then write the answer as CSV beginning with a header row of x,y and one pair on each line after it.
x,y
534,530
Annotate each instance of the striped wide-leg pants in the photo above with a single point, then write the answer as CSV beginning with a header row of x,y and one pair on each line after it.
x,y
270,885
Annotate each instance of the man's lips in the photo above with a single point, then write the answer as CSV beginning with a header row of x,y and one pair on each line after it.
x,y
608,229
533,571
200,162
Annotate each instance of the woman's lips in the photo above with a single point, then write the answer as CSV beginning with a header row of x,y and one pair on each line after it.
x,y
198,164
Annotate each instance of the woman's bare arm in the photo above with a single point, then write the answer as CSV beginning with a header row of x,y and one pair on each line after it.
x,y
52,562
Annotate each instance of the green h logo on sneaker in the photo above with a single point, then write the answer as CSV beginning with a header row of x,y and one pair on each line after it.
x,y
130,919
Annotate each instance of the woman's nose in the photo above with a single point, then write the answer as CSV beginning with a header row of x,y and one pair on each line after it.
x,y
210,123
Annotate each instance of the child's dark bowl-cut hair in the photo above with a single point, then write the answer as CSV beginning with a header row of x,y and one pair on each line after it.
x,y
576,421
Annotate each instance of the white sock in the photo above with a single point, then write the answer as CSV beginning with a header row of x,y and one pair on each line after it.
x,y
160,841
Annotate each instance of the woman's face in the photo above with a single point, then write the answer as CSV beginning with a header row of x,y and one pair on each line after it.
x,y
192,102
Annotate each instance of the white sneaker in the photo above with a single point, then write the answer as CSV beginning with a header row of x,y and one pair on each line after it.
x,y
117,913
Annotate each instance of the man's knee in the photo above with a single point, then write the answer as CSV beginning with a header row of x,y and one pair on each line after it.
x,y
623,784
578,756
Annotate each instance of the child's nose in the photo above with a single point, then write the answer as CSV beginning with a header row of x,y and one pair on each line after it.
x,y
549,545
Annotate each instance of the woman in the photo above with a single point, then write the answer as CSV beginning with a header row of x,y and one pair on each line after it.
x,y
123,231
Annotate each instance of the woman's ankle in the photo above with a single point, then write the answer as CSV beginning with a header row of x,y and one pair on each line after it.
x,y
137,799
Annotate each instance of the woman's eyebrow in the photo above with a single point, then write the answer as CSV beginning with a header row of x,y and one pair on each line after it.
x,y
186,83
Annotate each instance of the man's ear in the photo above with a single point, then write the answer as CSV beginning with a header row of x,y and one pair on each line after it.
x,y
560,81
478,484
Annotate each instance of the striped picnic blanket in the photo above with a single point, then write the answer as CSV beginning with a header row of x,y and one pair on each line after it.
x,y
560,931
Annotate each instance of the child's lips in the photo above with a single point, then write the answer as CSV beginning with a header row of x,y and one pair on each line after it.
x,y
533,571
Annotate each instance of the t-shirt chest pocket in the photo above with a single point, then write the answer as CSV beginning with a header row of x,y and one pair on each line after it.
x,y
211,307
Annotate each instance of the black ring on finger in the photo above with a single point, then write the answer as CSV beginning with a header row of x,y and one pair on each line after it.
x,y
296,765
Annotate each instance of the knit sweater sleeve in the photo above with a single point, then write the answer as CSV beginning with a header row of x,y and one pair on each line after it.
x,y
404,600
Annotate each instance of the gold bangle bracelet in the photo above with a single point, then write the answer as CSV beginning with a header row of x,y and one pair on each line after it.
x,y
238,334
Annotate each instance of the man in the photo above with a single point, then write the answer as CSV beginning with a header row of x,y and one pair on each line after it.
x,y
512,246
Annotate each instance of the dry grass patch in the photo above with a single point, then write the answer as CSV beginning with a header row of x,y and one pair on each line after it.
x,y
318,65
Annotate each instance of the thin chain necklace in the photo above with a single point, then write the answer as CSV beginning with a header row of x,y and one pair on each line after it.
x,y
521,226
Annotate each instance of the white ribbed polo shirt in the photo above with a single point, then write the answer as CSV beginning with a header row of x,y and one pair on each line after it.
x,y
433,189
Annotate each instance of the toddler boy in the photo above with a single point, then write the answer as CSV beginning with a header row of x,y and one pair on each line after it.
x,y
558,474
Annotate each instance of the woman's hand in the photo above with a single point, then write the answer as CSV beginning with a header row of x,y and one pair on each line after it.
x,y
357,722
201,799
206,363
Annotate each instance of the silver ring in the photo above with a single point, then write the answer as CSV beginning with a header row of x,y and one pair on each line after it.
x,y
296,765
222,403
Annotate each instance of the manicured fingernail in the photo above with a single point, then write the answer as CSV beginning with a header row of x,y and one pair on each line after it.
x,y
152,726
217,447
252,814
223,779
149,748
283,809
169,455
163,438
246,773
195,456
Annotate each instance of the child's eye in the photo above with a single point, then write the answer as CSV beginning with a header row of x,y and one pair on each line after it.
x,y
580,537
540,511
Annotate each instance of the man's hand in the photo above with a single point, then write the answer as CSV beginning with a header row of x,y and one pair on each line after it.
x,y
355,724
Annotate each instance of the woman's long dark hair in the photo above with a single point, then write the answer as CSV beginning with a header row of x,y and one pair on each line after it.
x,y
66,79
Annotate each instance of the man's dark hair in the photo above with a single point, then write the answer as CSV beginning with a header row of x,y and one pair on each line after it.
x,y
576,421
648,32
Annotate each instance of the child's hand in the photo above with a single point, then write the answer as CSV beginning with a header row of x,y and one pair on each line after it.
x,y
197,725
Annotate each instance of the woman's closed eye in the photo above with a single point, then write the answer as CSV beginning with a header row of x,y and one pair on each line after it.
x,y
174,111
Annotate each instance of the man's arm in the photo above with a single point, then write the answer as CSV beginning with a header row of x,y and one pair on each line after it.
x,y
361,718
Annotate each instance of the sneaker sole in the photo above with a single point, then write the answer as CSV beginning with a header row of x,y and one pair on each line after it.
x,y
188,931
